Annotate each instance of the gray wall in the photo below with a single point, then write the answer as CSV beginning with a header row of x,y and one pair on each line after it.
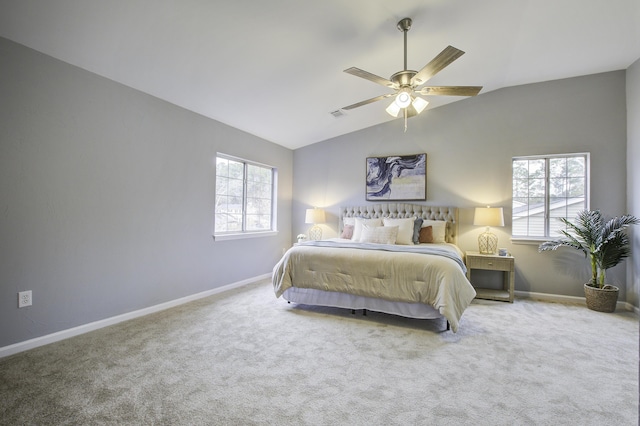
x,y
107,196
469,146
633,179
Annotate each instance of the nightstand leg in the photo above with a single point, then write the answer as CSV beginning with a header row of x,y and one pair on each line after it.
x,y
512,276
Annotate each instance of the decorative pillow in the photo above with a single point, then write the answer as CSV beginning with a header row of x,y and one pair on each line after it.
x,y
416,230
379,234
405,229
347,232
439,228
426,234
358,226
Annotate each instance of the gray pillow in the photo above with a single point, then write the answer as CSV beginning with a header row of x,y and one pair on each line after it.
x,y
416,230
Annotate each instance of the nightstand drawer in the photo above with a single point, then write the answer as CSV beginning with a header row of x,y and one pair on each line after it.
x,y
489,263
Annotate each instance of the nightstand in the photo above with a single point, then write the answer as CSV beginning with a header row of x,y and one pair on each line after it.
x,y
493,262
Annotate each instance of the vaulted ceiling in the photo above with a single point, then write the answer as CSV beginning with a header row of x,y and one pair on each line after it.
x,y
275,68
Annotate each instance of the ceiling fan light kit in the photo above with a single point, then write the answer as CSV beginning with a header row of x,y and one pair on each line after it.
x,y
406,82
415,107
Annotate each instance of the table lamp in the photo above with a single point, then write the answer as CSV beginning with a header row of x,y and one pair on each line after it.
x,y
315,216
488,216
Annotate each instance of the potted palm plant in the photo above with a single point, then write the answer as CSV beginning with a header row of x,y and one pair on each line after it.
x,y
605,243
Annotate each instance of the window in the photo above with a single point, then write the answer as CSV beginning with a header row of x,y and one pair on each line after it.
x,y
245,197
546,188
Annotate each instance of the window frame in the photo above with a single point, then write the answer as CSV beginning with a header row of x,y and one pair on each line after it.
x,y
532,239
244,233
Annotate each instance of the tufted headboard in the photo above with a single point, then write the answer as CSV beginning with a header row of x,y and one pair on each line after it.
x,y
400,210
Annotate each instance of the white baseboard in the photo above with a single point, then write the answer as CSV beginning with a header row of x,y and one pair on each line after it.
x,y
85,328
547,297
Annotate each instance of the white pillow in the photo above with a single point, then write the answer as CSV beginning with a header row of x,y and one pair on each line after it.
x,y
405,229
358,226
439,229
379,234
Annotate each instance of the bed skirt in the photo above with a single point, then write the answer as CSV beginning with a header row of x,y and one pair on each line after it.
x,y
307,296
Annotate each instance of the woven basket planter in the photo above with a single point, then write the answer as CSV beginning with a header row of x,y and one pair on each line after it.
x,y
601,299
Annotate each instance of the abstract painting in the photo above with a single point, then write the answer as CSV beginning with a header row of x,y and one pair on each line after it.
x,y
399,177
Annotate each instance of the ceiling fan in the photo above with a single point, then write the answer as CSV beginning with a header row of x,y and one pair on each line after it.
x,y
406,83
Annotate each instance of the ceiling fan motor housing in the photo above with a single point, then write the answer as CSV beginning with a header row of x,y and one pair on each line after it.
x,y
403,78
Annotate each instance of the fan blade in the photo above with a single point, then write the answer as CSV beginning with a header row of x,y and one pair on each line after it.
x,y
371,77
437,64
450,90
368,101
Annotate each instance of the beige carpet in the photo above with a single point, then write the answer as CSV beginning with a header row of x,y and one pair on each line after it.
x,y
244,358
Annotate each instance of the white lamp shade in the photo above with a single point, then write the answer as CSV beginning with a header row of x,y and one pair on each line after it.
x,y
419,104
393,109
314,216
488,216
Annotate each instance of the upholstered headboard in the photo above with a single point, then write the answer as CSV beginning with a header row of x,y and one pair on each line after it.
x,y
400,210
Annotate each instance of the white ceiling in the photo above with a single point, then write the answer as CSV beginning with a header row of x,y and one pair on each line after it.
x,y
274,68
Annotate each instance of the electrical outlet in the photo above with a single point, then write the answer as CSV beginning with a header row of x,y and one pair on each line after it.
x,y
24,298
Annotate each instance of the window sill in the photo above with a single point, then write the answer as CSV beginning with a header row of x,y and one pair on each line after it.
x,y
243,235
529,240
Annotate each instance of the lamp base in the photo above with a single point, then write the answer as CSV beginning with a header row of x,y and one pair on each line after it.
x,y
315,233
487,243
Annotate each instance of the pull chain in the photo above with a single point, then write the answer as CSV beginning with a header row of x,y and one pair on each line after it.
x,y
406,116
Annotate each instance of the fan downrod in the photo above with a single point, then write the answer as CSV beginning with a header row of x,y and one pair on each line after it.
x,y
405,25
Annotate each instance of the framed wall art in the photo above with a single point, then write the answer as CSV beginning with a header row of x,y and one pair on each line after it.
x,y
397,177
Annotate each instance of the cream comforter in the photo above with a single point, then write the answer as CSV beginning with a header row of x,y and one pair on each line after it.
x,y
433,274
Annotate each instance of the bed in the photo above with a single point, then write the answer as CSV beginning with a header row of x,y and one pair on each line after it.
x,y
377,266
